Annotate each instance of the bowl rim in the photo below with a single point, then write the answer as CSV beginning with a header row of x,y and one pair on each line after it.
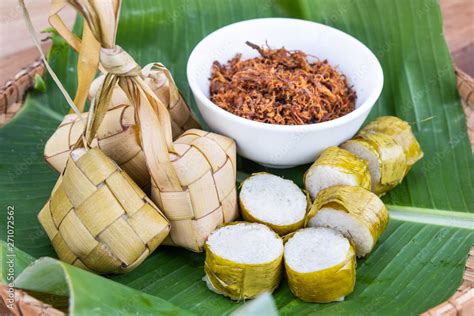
x,y
363,108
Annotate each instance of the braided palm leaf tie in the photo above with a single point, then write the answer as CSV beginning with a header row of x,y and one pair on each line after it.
x,y
97,218
160,81
206,167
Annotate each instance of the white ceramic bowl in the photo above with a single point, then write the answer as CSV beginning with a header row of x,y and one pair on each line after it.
x,y
283,146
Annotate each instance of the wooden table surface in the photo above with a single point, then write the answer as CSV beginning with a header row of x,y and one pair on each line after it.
x,y
17,51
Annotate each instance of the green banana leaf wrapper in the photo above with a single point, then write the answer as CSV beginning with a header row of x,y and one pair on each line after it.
x,y
362,205
401,132
326,285
240,281
345,162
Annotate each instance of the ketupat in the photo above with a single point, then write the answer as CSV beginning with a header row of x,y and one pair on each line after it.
x,y
116,137
117,239
97,218
203,195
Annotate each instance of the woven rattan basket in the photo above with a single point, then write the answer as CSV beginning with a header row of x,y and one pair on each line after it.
x,y
28,305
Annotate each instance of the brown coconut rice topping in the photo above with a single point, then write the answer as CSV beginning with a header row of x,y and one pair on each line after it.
x,y
281,87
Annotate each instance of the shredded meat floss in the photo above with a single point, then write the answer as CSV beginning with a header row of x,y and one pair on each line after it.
x,y
281,87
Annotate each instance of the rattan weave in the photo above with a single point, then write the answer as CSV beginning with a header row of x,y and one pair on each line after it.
x,y
25,304
462,302
13,92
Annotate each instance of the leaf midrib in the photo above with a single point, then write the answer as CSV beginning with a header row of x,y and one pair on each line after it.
x,y
432,216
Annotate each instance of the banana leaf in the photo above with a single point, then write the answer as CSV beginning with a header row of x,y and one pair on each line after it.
x,y
419,260
59,280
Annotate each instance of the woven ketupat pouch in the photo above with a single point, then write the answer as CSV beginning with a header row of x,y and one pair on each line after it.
x,y
118,136
207,197
97,218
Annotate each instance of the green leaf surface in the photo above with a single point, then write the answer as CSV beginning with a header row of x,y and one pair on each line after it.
x,y
13,262
262,305
89,293
419,260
